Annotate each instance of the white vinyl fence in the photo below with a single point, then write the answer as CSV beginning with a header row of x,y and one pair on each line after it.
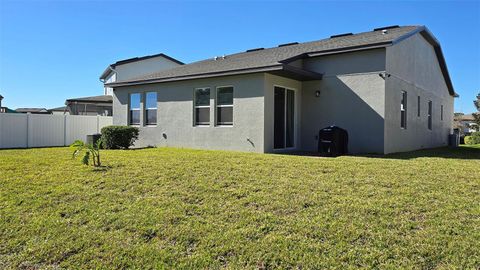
x,y
41,130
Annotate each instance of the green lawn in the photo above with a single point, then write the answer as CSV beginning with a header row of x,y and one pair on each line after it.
x,y
174,208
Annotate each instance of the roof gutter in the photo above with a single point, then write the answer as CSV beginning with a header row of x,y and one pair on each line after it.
x,y
106,72
198,76
280,69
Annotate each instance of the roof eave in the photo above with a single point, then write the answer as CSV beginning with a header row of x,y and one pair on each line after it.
x,y
198,76
87,102
278,69
107,72
298,73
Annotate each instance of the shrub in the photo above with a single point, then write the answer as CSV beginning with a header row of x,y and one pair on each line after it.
x,y
91,152
474,138
118,137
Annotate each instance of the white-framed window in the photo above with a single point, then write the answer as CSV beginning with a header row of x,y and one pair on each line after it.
x,y
403,110
224,106
418,106
201,104
150,108
430,105
441,112
134,110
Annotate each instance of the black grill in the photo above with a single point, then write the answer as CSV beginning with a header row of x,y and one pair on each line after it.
x,y
333,141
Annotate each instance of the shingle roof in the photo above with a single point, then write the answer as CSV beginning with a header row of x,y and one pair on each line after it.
x,y
32,110
93,99
58,109
267,60
467,117
273,56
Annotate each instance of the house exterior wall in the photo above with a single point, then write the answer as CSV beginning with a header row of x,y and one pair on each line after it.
x,y
414,68
138,68
175,114
112,77
351,97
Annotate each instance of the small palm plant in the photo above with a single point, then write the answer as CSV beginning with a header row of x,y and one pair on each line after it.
x,y
91,151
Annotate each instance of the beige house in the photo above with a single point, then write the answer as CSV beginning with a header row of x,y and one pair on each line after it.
x,y
389,88
466,123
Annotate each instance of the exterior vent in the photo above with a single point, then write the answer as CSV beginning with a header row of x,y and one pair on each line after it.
x,y
341,35
216,58
256,49
386,27
287,44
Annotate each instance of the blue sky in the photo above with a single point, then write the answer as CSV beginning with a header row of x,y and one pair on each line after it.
x,y
54,50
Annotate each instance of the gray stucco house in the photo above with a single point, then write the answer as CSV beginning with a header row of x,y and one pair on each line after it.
x,y
389,88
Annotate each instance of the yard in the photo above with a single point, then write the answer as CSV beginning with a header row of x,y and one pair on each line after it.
x,y
176,208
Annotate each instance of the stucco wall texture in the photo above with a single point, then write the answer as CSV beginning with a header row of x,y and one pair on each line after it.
x,y
414,68
354,94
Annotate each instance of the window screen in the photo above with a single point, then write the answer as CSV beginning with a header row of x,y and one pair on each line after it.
x,y
151,108
403,110
135,109
225,106
418,106
202,106
430,115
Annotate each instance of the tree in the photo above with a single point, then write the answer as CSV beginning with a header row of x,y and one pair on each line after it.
x,y
476,116
458,124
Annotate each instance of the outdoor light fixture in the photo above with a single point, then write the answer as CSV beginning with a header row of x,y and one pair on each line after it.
x,y
317,93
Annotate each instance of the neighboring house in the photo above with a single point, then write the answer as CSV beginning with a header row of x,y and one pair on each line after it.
x,y
389,88
5,109
466,123
120,70
33,110
134,67
59,110
2,109
96,105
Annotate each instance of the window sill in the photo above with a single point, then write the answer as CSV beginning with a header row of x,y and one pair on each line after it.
x,y
201,125
224,126
151,125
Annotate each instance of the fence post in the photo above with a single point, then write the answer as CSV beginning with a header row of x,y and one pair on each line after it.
x,y
1,119
28,128
64,129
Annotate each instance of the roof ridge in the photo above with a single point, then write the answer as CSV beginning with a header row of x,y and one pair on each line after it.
x,y
275,55
313,41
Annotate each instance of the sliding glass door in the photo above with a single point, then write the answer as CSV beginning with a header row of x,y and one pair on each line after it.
x,y
284,118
